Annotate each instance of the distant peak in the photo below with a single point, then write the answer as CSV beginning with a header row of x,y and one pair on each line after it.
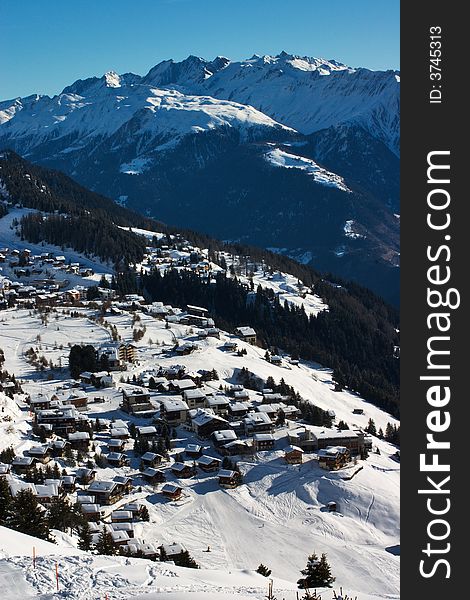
x,y
112,79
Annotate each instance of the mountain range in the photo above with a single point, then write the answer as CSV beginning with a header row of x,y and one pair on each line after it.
x,y
292,153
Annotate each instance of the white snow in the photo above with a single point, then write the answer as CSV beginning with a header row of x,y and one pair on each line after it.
x,y
281,158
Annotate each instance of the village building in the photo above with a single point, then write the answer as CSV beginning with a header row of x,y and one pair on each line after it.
x,y
258,422
153,476
263,441
171,491
80,440
229,479
293,455
193,450
117,459
333,457
22,464
352,440
151,459
105,492
84,476
116,445
127,353
173,551
121,516
223,436
174,411
146,432
219,404
183,470
247,334
195,398
136,401
237,448
237,410
42,454
208,464
91,512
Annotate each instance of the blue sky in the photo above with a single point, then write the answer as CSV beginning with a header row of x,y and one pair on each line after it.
x,y
47,44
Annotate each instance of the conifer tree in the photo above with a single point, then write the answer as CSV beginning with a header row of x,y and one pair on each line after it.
x,y
316,573
5,502
28,517
105,544
186,560
84,533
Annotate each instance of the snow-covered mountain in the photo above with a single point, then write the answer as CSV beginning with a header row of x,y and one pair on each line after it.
x,y
308,94
237,149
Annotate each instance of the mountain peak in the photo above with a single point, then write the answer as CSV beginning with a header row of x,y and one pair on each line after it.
x,y
112,79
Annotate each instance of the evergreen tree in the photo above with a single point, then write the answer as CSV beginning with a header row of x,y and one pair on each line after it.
x,y
317,573
105,544
371,428
263,570
5,502
186,560
84,533
62,515
28,517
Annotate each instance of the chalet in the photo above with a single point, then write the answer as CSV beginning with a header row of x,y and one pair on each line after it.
x,y
117,459
290,411
40,403
230,346
58,447
358,411
186,348
213,332
22,464
197,311
183,470
121,516
76,398
127,353
42,454
276,360
174,411
84,499
86,377
134,507
223,436
293,455
303,438
147,550
68,483
204,423
236,410
124,483
120,538
118,432
102,379
91,512
258,422
195,398
237,448
63,420
151,459
182,385
153,476
352,440
241,395
116,445
147,432
106,492
46,492
108,358
84,475
171,491
208,464
127,527
219,404
271,410
229,479
172,551
247,334
333,457
263,441
193,450
80,440
331,506
136,401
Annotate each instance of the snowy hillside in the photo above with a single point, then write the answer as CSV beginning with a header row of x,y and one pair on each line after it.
x,y
282,507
